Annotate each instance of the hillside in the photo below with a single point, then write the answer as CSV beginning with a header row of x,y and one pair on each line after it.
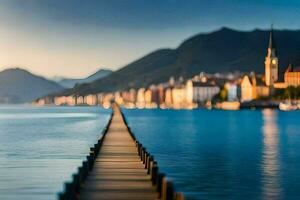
x,y
69,82
224,50
20,86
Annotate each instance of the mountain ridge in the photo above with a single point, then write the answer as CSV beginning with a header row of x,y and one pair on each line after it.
x,y
71,82
20,86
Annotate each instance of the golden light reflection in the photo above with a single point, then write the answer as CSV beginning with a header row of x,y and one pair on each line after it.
x,y
270,159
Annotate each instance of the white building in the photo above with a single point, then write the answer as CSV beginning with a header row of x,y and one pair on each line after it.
x,y
202,91
141,98
232,91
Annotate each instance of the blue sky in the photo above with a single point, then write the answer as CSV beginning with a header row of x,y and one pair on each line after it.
x,y
76,37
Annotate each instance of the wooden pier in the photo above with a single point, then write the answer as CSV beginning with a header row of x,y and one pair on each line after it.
x,y
119,168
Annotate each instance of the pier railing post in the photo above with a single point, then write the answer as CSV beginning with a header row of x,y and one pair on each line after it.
x,y
144,155
90,162
76,182
154,173
147,160
140,149
97,148
80,174
85,168
150,164
70,191
160,178
168,190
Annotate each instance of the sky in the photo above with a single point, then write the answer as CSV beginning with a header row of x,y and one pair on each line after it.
x,y
74,38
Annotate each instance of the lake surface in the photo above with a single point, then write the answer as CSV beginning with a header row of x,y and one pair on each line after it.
x,y
209,154
224,154
40,148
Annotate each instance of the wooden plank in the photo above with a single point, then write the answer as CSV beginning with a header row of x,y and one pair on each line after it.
x,y
118,172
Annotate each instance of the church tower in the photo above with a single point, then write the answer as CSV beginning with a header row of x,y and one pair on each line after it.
x,y
271,62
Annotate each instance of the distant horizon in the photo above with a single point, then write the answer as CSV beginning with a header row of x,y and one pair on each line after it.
x,y
59,38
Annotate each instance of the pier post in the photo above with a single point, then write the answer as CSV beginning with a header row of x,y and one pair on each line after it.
x,y
85,167
147,160
150,164
70,191
80,174
144,155
160,178
96,147
76,182
154,173
90,162
167,190
140,149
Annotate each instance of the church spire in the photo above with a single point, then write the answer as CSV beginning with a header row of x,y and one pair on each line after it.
x,y
271,47
271,62
271,39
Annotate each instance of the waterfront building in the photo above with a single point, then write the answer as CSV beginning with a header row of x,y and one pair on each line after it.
x,y
154,94
64,100
132,95
253,88
70,100
118,98
246,89
44,101
168,98
202,91
80,100
107,100
292,76
124,98
100,98
161,95
90,100
141,98
130,98
40,102
148,98
178,97
61,100
189,91
271,63
232,90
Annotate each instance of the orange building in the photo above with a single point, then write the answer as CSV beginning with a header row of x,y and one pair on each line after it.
x,y
253,88
292,76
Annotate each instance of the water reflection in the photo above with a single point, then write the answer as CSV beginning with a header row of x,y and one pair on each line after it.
x,y
270,157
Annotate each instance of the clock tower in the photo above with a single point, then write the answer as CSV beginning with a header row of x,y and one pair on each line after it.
x,y
271,62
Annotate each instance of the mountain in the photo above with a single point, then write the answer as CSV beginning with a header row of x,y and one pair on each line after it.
x,y
20,86
69,83
224,50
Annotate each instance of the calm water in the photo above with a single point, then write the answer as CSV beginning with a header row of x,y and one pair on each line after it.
x,y
40,148
224,154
